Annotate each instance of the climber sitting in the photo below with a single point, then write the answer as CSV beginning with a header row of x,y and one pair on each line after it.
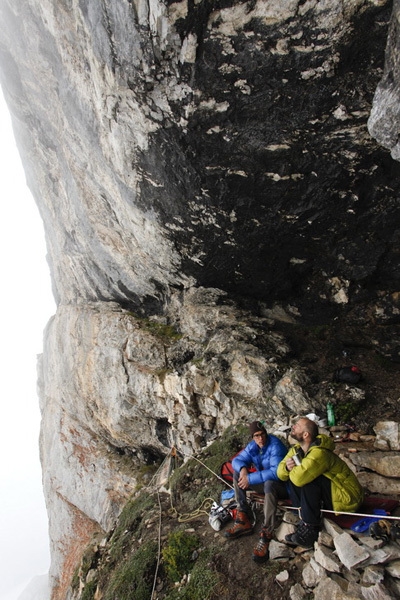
x,y
264,452
317,479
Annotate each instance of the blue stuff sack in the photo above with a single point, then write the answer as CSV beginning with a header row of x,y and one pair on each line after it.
x,y
227,495
363,524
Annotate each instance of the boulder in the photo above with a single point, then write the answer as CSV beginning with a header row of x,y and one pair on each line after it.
x,y
389,432
383,463
327,559
349,552
378,484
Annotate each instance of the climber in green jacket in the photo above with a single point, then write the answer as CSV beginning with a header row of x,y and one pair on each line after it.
x,y
317,478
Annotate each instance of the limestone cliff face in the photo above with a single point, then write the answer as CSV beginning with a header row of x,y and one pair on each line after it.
x,y
194,164
383,123
224,145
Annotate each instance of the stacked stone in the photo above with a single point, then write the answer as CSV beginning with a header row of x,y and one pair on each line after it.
x,y
343,565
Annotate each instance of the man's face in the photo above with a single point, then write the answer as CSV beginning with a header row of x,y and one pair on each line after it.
x,y
298,430
260,437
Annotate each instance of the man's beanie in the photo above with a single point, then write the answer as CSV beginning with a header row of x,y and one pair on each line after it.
x,y
256,426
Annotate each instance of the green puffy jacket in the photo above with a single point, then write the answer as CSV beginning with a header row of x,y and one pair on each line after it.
x,y
347,493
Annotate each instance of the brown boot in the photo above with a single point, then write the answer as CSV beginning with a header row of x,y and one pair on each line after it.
x,y
242,526
260,552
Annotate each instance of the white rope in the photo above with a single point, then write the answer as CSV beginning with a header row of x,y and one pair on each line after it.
x,y
211,471
324,510
159,546
352,514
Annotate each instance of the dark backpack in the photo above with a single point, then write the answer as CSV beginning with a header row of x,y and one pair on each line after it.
x,y
347,375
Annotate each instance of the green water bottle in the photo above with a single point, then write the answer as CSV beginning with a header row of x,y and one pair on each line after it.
x,y
330,414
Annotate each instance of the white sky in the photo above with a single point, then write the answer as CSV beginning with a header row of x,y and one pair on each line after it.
x,y
26,304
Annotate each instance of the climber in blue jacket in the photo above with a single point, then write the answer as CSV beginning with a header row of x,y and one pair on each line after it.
x,y
264,452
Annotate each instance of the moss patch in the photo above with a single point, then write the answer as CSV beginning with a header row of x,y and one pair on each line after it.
x,y
131,521
89,591
135,576
345,412
178,554
166,333
202,583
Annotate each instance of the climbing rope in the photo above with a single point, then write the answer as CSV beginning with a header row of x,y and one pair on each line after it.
x,y
203,509
158,546
205,506
351,514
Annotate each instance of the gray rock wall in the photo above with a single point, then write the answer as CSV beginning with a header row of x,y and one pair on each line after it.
x,y
384,119
117,392
225,146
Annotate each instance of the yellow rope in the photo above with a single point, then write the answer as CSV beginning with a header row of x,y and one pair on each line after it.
x,y
203,509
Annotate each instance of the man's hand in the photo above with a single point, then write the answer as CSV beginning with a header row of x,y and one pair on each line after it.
x,y
290,464
243,481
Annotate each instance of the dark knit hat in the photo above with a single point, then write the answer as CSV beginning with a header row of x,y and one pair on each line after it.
x,y
256,426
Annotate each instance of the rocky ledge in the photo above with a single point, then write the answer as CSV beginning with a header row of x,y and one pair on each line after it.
x,y
342,565
345,564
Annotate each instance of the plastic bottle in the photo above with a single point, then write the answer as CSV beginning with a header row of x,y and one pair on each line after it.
x,y
330,414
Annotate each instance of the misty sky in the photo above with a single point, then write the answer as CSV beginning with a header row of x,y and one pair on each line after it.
x,y
26,306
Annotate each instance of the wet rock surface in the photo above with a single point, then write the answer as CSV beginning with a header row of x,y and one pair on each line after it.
x,y
225,145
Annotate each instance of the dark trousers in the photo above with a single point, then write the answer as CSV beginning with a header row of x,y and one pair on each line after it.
x,y
273,490
311,498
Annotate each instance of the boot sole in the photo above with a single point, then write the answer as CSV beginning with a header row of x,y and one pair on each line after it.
x,y
260,559
295,544
233,537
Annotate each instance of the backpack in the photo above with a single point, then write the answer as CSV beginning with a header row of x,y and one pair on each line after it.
x,y
347,375
227,469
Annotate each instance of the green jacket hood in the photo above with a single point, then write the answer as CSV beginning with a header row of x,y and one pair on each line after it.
x,y
324,441
321,441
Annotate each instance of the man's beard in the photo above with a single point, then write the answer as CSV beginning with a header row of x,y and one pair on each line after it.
x,y
297,436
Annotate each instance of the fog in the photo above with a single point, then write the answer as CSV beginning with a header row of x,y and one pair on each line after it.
x,y
26,306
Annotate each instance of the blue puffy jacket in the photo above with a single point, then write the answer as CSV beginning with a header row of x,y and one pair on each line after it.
x,y
265,459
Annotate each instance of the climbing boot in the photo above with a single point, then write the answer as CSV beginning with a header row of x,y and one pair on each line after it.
x,y
260,552
305,535
241,526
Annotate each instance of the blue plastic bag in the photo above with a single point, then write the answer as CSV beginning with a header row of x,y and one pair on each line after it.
x,y
227,495
364,523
